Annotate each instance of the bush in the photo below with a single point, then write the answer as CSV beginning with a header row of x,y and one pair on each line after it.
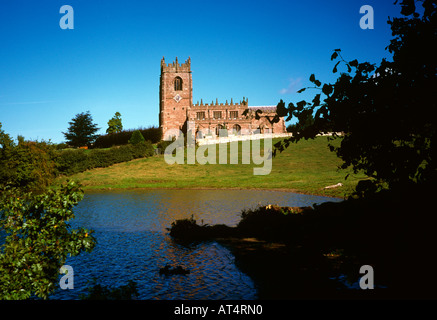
x,y
99,292
28,165
163,144
69,162
38,239
61,146
269,222
152,134
187,230
136,137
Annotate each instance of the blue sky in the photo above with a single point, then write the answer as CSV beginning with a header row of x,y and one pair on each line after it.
x,y
110,61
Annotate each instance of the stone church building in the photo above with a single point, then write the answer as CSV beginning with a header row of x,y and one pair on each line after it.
x,y
177,111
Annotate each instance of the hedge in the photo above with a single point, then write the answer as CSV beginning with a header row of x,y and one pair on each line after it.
x,y
153,134
69,162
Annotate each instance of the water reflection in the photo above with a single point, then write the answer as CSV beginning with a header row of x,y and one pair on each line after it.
x,y
130,227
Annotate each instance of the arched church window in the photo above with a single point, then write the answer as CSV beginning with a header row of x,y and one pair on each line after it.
x,y
178,84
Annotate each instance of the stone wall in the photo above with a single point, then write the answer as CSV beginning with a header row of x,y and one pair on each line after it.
x,y
232,138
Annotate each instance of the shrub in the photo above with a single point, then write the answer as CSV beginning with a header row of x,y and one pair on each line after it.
x,y
61,146
151,134
136,137
69,162
99,158
187,230
99,292
144,149
38,239
28,165
263,222
163,144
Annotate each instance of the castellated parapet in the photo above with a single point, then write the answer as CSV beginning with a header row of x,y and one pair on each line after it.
x,y
216,104
175,67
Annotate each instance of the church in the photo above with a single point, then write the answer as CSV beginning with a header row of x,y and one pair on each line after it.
x,y
177,111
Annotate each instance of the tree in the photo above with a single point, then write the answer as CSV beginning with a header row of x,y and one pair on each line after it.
x,y
28,165
136,138
38,239
81,131
6,148
35,233
383,110
114,124
306,121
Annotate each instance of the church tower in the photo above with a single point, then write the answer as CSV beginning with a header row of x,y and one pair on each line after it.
x,y
175,96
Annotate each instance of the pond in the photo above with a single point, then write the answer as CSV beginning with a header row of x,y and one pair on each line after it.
x,y
133,243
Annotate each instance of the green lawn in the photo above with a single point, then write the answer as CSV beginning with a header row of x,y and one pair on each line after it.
x,y
306,167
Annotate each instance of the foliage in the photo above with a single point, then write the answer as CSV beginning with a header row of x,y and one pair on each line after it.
x,y
28,165
265,222
35,234
307,120
187,230
32,165
69,162
61,146
136,138
5,139
99,292
7,146
38,239
163,144
273,222
153,134
114,124
383,110
81,131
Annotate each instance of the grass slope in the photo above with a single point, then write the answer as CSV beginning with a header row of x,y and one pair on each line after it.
x,y
306,167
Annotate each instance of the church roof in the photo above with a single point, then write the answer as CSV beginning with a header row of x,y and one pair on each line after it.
x,y
264,108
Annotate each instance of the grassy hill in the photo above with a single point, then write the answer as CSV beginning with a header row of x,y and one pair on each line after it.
x,y
305,167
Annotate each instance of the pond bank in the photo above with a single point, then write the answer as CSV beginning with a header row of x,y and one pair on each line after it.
x,y
318,253
103,188
282,272
266,248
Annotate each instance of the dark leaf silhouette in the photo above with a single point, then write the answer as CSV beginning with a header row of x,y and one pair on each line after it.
x,y
312,78
335,67
327,89
354,63
316,100
334,55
